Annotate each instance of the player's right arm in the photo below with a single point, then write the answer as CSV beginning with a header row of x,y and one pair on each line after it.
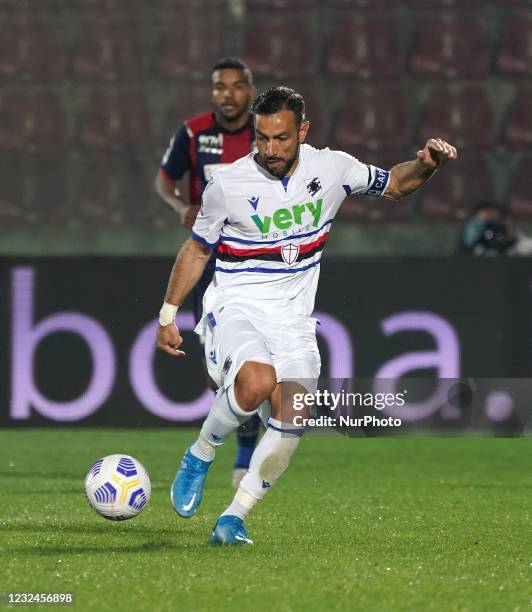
x,y
174,164
189,265
186,272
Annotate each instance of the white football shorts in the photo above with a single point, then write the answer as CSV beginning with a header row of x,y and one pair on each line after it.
x,y
233,337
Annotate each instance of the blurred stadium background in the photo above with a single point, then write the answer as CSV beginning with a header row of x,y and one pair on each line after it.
x,y
91,91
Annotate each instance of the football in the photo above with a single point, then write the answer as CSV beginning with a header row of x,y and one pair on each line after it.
x,y
118,487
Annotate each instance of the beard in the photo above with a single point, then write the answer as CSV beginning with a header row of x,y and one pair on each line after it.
x,y
279,170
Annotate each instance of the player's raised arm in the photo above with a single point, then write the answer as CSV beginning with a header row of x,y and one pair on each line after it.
x,y
411,175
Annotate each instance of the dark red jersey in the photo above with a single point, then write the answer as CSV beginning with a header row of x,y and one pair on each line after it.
x,y
200,146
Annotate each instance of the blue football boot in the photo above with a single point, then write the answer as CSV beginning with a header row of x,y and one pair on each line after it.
x,y
229,530
187,488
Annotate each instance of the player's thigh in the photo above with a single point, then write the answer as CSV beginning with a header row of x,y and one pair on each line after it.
x,y
297,358
229,344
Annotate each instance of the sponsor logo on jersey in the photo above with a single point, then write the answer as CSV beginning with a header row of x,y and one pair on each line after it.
x,y
227,365
283,218
313,185
254,201
210,143
289,253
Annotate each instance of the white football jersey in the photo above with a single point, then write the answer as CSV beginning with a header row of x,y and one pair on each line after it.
x,y
269,239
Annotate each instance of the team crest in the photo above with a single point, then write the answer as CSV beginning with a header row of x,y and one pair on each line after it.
x,y
227,365
313,185
289,253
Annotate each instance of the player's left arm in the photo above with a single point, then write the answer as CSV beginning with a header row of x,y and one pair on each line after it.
x,y
411,175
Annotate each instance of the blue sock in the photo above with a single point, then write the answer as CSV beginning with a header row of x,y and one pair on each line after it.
x,y
246,439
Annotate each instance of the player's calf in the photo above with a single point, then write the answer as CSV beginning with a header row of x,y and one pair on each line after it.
x,y
233,406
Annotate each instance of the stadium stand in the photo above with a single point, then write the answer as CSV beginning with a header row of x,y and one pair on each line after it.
x,y
446,3
33,121
11,190
285,49
109,49
515,55
116,120
358,49
46,190
449,195
355,4
518,131
370,118
320,120
378,76
460,114
451,46
190,99
281,4
520,194
113,189
190,56
29,51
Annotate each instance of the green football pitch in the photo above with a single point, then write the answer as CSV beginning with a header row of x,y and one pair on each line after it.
x,y
354,524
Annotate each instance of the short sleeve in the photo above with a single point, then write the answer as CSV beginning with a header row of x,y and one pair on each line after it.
x,y
212,215
359,178
176,159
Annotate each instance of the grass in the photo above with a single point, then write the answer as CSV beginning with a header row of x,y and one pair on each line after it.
x,y
354,524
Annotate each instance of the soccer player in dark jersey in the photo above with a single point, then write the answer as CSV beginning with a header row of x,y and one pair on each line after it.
x,y
200,146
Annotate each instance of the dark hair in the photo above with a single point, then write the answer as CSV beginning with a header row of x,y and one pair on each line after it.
x,y
277,99
236,64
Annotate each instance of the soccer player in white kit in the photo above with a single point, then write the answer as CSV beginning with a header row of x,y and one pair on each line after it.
x,y
268,215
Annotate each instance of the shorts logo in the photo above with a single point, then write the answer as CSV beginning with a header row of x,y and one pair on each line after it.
x,y
313,185
289,253
266,484
227,365
212,356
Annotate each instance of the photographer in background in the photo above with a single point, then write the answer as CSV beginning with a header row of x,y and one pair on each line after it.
x,y
489,232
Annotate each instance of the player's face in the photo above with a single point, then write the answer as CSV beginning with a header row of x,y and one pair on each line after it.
x,y
278,138
231,93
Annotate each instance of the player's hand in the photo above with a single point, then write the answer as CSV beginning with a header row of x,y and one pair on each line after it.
x,y
436,153
190,216
169,340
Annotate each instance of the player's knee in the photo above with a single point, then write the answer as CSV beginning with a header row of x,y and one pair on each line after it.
x,y
254,383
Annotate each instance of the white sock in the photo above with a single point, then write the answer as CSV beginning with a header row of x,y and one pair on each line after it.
x,y
241,504
203,449
225,417
271,458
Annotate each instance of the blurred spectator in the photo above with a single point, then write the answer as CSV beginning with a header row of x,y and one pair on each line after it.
x,y
489,232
